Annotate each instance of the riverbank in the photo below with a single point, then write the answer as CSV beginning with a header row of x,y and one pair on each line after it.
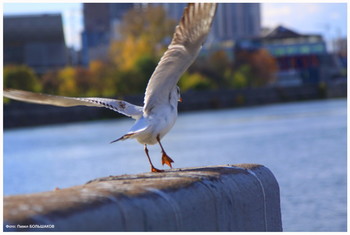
x,y
19,114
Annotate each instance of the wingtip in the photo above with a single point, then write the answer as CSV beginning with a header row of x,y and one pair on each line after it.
x,y
202,14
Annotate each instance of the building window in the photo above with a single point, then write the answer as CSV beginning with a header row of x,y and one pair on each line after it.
x,y
318,48
279,51
304,50
291,50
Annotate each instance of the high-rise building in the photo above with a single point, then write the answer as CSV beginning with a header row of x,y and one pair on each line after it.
x,y
232,21
173,10
35,40
236,20
98,20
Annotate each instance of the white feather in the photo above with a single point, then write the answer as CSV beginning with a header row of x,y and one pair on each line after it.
x,y
119,106
188,38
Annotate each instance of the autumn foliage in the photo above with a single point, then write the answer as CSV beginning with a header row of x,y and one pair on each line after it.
x,y
132,58
21,76
258,67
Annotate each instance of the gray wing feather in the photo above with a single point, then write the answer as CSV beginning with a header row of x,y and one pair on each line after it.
x,y
188,38
119,106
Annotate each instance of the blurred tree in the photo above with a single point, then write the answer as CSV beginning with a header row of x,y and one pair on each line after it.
x,y
50,82
262,67
143,31
220,64
85,83
145,65
134,81
135,56
195,81
125,53
67,81
101,79
151,24
127,82
213,67
241,77
21,77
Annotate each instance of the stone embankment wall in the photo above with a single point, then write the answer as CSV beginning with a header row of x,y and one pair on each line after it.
x,y
219,198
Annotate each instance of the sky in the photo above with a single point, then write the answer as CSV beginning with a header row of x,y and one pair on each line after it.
x,y
328,19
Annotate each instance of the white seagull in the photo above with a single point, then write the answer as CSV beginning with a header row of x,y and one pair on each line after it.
x,y
159,112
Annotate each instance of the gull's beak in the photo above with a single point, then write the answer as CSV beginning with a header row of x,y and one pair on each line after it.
x,y
180,100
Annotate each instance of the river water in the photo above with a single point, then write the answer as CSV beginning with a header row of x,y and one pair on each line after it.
x,y
304,144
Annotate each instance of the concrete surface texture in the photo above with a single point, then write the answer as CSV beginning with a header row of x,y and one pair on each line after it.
x,y
216,198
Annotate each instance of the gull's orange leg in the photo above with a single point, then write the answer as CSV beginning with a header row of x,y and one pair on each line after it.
x,y
165,158
153,169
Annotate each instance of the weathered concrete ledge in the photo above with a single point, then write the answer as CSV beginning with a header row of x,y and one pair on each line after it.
x,y
218,198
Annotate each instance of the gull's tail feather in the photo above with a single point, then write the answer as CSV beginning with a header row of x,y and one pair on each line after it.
x,y
124,137
139,126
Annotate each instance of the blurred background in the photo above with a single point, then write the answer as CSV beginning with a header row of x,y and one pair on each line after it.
x,y
268,87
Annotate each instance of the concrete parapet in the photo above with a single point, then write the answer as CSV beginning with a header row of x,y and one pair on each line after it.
x,y
218,198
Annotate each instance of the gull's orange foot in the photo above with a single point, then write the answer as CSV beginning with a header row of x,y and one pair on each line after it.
x,y
166,160
153,169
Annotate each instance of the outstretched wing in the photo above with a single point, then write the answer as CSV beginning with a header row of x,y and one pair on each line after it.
x,y
119,106
188,38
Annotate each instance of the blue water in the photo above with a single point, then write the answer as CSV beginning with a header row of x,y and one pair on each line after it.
x,y
303,144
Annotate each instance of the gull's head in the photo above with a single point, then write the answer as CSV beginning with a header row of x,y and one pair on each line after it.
x,y
179,99
175,95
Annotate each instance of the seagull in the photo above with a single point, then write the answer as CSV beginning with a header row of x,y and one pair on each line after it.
x,y
159,112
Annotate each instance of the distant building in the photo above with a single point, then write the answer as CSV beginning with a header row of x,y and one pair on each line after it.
x,y
36,41
173,10
98,20
341,47
301,58
341,50
232,20
236,20
282,42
